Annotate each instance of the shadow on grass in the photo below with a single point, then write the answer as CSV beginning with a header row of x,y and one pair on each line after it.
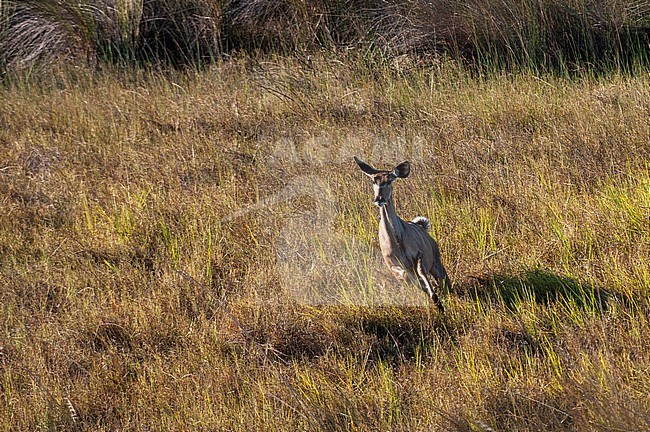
x,y
536,285
400,334
389,334
395,334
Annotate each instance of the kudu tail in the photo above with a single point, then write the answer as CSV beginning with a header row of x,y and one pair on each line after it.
x,y
423,222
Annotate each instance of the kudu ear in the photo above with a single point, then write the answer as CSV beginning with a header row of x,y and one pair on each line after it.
x,y
365,167
402,170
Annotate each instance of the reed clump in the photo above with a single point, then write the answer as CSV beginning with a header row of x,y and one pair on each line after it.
x,y
550,35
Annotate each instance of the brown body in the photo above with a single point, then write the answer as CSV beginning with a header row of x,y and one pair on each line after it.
x,y
408,249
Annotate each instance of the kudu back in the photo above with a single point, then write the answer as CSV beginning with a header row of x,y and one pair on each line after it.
x,y
409,251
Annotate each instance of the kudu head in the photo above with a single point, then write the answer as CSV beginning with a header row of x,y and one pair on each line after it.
x,y
382,181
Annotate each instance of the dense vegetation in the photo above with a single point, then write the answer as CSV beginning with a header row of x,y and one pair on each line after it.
x,y
559,35
186,244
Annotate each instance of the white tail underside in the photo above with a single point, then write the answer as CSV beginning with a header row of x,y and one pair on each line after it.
x,y
423,222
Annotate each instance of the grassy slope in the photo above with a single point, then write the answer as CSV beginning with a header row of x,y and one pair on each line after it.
x,y
538,191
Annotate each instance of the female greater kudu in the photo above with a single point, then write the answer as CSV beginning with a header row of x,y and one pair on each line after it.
x,y
408,249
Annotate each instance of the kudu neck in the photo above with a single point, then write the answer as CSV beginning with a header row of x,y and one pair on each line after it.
x,y
390,221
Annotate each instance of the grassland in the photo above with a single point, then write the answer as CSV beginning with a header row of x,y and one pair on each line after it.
x,y
116,187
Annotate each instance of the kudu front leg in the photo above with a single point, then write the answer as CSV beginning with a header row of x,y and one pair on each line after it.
x,y
440,274
420,278
426,286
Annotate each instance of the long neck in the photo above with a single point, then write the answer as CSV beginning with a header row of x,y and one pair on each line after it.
x,y
390,225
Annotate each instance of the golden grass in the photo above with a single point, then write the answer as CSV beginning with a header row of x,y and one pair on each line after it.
x,y
538,190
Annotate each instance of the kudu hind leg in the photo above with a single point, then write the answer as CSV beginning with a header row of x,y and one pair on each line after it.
x,y
426,286
440,274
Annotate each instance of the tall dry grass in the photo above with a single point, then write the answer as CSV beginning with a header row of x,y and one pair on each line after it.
x,y
125,32
540,34
113,186
547,35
